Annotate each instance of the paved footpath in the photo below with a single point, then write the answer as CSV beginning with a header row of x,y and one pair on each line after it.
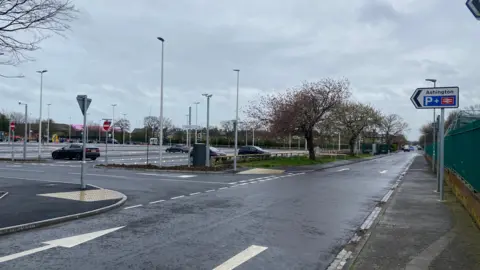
x,y
419,232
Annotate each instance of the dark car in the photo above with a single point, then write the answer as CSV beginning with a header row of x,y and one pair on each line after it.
x,y
178,148
214,152
74,151
252,150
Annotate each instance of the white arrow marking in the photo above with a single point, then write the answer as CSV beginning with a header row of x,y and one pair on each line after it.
x,y
241,257
384,171
66,242
341,170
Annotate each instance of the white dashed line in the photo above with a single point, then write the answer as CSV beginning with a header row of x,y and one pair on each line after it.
x,y
195,193
154,202
232,183
222,188
133,206
178,197
243,184
211,190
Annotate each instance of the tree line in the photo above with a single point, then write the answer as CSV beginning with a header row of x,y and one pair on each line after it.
x,y
324,108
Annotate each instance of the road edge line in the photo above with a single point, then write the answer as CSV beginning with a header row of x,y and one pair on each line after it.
x,y
361,240
52,221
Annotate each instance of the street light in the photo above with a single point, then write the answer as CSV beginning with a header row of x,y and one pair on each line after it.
x,y
40,122
113,124
123,128
208,96
26,126
161,105
434,81
196,120
236,123
48,123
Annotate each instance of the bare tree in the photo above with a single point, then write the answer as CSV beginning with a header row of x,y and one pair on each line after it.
x,y
123,124
354,118
17,117
301,109
228,127
38,18
153,123
391,126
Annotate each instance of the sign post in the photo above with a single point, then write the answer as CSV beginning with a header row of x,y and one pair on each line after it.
x,y
474,7
84,103
12,139
438,98
106,127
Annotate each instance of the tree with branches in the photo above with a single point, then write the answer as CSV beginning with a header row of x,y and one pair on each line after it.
x,y
354,118
391,126
228,127
37,18
300,109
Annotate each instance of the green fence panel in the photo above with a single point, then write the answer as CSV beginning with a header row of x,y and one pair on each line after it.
x,y
462,151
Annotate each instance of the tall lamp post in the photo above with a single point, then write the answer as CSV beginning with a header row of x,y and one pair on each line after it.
x,y
123,128
40,122
48,123
236,122
113,125
196,120
207,143
161,105
26,127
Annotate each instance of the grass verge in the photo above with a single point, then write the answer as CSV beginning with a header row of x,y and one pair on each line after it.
x,y
296,161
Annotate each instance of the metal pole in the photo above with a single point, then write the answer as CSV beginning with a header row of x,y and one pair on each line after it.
x,y
48,123
189,123
339,141
40,122
82,183
106,147
186,132
207,142
13,144
113,125
441,150
196,121
246,136
161,104
25,136
253,137
70,130
236,123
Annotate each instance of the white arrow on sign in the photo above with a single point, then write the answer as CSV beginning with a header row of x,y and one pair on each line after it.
x,y
474,7
66,242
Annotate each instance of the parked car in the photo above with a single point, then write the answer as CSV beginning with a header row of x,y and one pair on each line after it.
x,y
406,148
178,148
214,152
74,151
252,150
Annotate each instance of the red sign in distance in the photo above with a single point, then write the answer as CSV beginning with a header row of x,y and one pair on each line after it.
x,y
12,125
106,125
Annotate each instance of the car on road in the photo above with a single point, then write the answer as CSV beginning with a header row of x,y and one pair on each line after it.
x,y
74,151
406,148
252,150
178,148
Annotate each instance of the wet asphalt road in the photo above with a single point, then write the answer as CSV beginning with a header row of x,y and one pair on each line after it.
x,y
188,221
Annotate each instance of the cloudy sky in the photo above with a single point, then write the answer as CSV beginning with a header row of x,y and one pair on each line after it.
x,y
386,48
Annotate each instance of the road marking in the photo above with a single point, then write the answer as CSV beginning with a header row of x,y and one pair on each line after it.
x,y
241,257
67,242
345,169
182,180
154,202
21,170
232,183
102,175
384,171
222,188
195,193
242,184
133,206
211,190
178,197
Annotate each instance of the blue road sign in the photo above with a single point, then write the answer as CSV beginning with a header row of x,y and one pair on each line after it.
x,y
438,97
